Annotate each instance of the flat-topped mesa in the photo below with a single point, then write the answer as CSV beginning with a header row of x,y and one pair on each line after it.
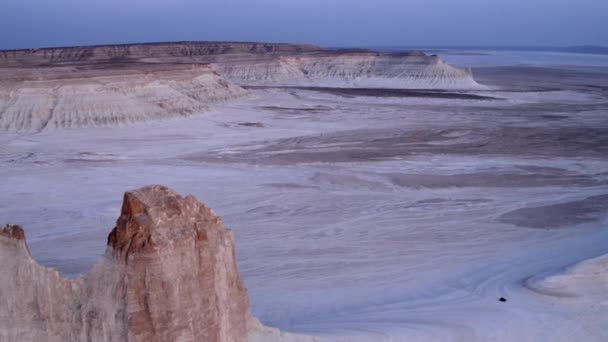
x,y
268,64
174,52
169,274
56,88
168,52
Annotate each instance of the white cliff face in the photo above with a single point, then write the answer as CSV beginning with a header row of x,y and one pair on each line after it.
x,y
37,303
169,274
55,98
48,89
350,70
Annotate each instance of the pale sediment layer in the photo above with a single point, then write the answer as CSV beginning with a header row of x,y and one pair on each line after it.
x,y
107,85
40,99
352,70
267,63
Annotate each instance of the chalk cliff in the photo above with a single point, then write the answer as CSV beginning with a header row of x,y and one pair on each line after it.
x,y
44,89
267,63
169,274
49,98
350,70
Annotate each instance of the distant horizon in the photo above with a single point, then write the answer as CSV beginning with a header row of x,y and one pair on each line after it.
x,y
325,46
505,23
584,48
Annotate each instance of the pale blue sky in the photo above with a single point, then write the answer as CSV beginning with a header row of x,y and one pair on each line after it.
x,y
39,23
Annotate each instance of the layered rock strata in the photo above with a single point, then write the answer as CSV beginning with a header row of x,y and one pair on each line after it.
x,y
265,63
170,52
350,70
169,274
48,98
42,89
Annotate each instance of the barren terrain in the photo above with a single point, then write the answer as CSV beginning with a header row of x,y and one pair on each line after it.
x,y
362,215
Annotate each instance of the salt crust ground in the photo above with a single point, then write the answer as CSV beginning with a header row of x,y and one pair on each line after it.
x,y
341,250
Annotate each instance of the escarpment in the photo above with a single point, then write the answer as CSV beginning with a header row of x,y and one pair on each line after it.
x,y
350,70
68,97
267,64
43,89
170,52
169,274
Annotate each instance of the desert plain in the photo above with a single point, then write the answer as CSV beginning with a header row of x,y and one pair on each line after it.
x,y
361,212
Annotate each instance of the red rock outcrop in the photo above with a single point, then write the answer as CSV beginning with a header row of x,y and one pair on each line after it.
x,y
169,274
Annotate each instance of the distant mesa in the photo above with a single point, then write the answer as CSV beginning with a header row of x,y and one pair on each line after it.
x,y
71,87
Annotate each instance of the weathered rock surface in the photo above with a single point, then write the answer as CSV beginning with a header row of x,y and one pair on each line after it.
x,y
350,70
42,89
267,63
169,274
170,52
37,99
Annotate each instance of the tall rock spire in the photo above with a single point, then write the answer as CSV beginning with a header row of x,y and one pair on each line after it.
x,y
169,274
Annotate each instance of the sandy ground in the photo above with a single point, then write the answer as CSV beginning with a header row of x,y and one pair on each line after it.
x,y
363,218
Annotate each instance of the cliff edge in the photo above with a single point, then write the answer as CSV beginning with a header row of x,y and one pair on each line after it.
x,y
72,87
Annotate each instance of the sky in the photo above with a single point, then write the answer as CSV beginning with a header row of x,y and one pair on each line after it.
x,y
331,23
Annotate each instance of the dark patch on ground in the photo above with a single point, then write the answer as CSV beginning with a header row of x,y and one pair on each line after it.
x,y
89,161
251,124
289,186
315,109
533,78
490,179
442,202
558,215
386,92
553,117
21,157
385,144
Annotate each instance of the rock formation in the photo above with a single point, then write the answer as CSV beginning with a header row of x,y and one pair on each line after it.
x,y
267,64
169,274
42,89
173,52
47,98
350,70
